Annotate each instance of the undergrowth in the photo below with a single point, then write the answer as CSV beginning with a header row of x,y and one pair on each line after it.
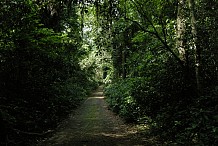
x,y
169,106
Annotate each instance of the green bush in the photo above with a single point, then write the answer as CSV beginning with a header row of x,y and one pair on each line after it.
x,y
123,98
170,104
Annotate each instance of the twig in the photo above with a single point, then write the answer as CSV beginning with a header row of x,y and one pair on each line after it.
x,y
34,133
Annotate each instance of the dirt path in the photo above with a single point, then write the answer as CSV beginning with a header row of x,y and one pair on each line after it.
x,y
94,125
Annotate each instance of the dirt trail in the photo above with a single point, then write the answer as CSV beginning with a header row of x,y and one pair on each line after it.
x,y
94,125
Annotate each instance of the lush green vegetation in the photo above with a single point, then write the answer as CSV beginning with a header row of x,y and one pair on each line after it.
x,y
164,56
40,76
158,59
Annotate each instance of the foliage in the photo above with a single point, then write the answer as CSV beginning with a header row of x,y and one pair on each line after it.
x,y
121,100
152,81
41,80
172,112
157,71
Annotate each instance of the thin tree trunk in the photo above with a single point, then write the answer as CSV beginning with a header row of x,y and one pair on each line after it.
x,y
181,29
82,16
194,45
124,64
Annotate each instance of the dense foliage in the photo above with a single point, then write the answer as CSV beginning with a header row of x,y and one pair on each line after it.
x,y
165,73
157,58
40,76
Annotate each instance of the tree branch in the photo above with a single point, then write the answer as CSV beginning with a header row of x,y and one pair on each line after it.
x,y
140,26
33,133
155,33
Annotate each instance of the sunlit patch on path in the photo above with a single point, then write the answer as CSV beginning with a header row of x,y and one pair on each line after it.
x,y
94,125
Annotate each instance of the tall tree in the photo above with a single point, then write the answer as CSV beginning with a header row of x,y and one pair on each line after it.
x,y
181,30
197,54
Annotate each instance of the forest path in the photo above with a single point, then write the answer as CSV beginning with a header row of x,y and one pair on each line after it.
x,y
94,125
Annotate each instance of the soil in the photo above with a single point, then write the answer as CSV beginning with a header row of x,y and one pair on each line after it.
x,y
93,124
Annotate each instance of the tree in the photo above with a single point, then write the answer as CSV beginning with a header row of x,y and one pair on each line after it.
x,y
194,45
181,28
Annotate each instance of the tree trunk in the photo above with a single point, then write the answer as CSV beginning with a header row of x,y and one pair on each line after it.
x,y
194,44
181,29
82,16
124,64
